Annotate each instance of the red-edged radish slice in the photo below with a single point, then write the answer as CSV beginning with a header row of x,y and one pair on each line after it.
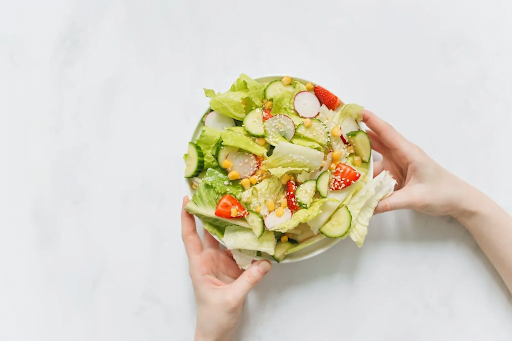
x,y
272,220
348,125
306,104
218,121
279,128
244,163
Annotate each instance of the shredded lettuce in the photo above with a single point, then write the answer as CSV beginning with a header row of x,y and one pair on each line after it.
x,y
208,141
289,155
221,183
234,139
301,216
364,202
269,189
236,237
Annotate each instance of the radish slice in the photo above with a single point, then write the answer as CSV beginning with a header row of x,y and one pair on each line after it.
x,y
272,220
218,121
244,163
279,128
306,104
348,125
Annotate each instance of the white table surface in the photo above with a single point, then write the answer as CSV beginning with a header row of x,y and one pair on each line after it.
x,y
98,99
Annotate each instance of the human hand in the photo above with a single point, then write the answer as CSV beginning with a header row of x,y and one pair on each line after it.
x,y
220,287
422,184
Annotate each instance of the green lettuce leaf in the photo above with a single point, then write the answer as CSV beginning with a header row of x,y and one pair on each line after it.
x,y
221,183
230,104
302,141
327,209
214,230
206,196
254,88
231,138
289,155
348,110
301,216
208,141
364,202
280,171
269,189
207,215
243,258
283,103
236,237
209,93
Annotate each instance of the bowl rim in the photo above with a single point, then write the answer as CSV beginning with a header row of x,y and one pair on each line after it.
x,y
311,250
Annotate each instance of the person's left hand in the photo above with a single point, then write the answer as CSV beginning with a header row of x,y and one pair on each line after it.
x,y
220,287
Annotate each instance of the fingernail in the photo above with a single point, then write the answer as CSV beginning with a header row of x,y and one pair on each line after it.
x,y
264,266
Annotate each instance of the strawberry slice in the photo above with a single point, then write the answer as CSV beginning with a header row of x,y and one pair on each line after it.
x,y
291,187
267,115
328,98
226,203
343,176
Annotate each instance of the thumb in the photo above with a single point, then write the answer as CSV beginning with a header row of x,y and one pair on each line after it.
x,y
250,277
395,201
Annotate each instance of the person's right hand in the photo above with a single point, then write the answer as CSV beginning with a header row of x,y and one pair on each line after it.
x,y
422,184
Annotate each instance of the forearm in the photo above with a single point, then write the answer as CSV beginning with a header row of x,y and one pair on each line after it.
x,y
491,226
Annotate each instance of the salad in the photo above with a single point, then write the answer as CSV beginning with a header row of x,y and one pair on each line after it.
x,y
279,166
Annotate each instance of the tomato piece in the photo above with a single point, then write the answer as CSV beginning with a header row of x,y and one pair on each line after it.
x,y
343,176
226,203
266,115
291,187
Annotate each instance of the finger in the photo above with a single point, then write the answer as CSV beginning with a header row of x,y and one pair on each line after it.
x,y
376,142
378,167
209,242
396,201
228,252
250,277
189,234
387,134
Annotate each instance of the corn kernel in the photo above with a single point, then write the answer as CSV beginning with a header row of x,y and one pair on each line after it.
x,y
268,105
279,211
233,175
286,80
309,87
253,180
284,239
257,209
234,212
307,123
284,203
289,235
336,155
271,206
261,141
246,183
226,164
332,166
336,131
284,179
358,161
194,186
350,150
244,102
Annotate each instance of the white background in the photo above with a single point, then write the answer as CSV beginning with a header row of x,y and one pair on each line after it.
x,y
98,99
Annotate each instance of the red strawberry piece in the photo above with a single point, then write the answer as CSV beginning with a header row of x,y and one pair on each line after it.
x,y
343,176
291,187
328,98
226,203
266,115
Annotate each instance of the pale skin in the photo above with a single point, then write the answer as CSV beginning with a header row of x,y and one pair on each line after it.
x,y
422,184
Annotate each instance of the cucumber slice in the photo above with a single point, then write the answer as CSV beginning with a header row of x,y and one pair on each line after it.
x,y
253,123
322,183
305,193
361,143
223,151
317,132
339,224
279,128
303,245
275,88
281,250
194,160
255,221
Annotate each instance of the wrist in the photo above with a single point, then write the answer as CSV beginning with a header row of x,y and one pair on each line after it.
x,y
468,204
200,335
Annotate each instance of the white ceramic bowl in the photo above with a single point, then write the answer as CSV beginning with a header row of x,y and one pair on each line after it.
x,y
314,249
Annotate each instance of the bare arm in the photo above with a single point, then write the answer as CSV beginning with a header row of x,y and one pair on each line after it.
x,y
425,186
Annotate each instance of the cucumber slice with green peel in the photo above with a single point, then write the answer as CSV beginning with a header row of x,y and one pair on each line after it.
x,y
305,244
279,128
305,193
194,160
253,123
322,183
316,132
281,250
276,88
223,152
361,143
339,224
255,221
